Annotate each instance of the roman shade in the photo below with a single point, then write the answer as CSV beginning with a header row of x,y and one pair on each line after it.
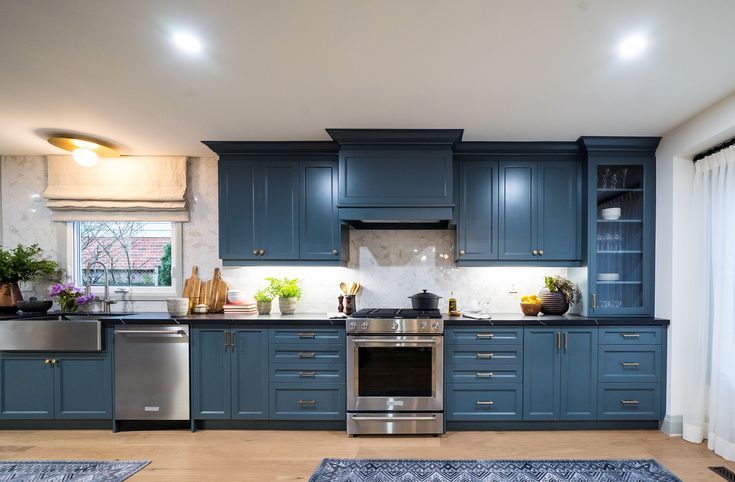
x,y
128,188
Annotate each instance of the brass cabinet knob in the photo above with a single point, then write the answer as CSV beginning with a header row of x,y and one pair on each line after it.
x,y
534,252
47,361
461,252
541,252
53,361
335,252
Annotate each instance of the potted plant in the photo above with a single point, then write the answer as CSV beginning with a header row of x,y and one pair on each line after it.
x,y
69,297
263,299
557,294
21,264
288,291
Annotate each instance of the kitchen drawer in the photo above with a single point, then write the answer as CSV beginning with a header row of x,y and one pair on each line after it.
x,y
308,334
294,373
636,363
630,335
469,402
478,373
483,336
303,356
629,401
480,355
322,401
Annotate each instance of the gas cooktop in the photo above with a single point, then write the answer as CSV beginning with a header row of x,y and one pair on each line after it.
x,y
396,313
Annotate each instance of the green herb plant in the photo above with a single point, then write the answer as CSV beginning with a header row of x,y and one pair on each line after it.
x,y
285,287
263,296
559,284
26,264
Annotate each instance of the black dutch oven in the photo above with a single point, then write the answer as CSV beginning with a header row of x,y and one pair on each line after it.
x,y
424,301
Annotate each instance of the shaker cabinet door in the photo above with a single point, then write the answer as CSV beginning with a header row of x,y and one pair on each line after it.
x,y
579,373
477,233
319,219
277,214
237,208
83,385
210,373
518,210
559,202
26,386
249,373
541,373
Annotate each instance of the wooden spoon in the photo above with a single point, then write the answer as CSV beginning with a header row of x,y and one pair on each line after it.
x,y
357,287
343,287
353,288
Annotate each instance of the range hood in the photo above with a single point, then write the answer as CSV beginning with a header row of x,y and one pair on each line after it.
x,y
396,178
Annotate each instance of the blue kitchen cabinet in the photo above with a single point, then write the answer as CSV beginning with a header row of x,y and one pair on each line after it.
x,y
229,368
237,209
477,230
55,386
82,386
249,352
321,234
26,386
539,211
560,373
210,372
277,213
621,225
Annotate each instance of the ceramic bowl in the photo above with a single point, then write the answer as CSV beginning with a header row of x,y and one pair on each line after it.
x,y
177,306
608,276
236,296
611,213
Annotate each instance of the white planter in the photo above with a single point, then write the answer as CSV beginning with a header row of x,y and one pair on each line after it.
x,y
287,305
264,307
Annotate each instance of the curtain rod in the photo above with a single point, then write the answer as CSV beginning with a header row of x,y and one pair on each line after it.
x,y
712,150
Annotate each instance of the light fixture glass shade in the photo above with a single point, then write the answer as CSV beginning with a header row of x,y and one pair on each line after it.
x,y
84,156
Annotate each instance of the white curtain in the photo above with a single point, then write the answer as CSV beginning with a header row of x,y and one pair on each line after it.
x,y
709,411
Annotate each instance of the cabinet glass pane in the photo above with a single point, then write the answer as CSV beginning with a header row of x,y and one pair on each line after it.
x,y
619,243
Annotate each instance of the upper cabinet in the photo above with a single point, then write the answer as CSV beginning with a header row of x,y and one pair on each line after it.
x,y
621,198
519,203
278,203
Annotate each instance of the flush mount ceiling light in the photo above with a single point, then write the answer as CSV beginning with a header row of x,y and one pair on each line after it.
x,y
187,43
85,150
632,46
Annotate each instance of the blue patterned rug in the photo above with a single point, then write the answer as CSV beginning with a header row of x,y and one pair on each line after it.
x,y
373,470
74,471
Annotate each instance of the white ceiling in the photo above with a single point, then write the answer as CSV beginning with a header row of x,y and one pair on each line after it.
x,y
283,69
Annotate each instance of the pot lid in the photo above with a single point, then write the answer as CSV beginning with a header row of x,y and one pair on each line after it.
x,y
424,295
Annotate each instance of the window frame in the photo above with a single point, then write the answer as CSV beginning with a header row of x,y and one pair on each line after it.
x,y
127,293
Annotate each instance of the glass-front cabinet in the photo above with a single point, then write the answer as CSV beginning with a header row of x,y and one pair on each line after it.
x,y
621,216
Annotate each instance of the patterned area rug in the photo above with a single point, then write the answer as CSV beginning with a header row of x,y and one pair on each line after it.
x,y
367,470
74,471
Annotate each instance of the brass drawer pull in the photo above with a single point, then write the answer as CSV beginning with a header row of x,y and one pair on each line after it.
x,y
484,336
484,374
484,355
307,374
630,364
630,335
485,403
307,354
307,335
307,402
629,402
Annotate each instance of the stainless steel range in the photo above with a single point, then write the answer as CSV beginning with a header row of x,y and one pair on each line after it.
x,y
395,372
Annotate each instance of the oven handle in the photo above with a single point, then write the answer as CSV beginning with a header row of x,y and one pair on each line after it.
x,y
392,341
390,419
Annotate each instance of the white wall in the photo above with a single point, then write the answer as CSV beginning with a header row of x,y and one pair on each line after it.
x,y
675,251
391,265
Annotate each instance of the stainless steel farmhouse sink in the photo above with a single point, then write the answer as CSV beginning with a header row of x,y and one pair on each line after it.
x,y
57,333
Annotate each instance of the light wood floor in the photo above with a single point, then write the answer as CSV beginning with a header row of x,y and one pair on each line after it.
x,y
234,455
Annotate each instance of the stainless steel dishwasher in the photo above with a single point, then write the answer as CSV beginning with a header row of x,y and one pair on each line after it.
x,y
152,372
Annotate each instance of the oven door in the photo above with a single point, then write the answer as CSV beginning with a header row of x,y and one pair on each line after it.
x,y
395,373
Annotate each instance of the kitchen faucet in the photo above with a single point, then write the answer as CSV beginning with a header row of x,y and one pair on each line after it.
x,y
106,300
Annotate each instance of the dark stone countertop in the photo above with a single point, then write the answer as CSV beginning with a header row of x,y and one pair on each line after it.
x,y
496,319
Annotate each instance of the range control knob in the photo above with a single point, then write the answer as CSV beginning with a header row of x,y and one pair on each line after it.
x,y
422,325
394,325
352,325
364,325
435,326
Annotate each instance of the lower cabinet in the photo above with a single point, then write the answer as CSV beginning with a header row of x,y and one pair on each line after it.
x,y
244,373
560,373
55,386
502,401
229,368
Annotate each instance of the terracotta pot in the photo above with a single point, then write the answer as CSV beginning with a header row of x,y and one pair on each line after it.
x,y
553,303
287,305
9,295
264,307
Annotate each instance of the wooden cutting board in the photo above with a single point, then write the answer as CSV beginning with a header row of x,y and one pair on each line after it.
x,y
214,292
193,285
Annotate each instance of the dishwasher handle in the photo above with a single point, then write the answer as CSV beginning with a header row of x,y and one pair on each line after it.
x,y
151,332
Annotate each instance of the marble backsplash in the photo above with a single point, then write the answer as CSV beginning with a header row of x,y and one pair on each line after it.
x,y
390,265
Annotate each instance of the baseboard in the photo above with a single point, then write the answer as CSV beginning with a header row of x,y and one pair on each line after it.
x,y
673,425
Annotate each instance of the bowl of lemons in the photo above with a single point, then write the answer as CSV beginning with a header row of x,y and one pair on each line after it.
x,y
531,305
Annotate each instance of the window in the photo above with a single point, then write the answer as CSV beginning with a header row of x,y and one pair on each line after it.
x,y
140,257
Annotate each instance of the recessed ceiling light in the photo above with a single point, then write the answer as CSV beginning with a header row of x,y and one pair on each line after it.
x,y
187,43
632,46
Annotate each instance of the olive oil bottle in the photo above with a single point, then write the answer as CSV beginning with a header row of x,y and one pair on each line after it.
x,y
452,304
